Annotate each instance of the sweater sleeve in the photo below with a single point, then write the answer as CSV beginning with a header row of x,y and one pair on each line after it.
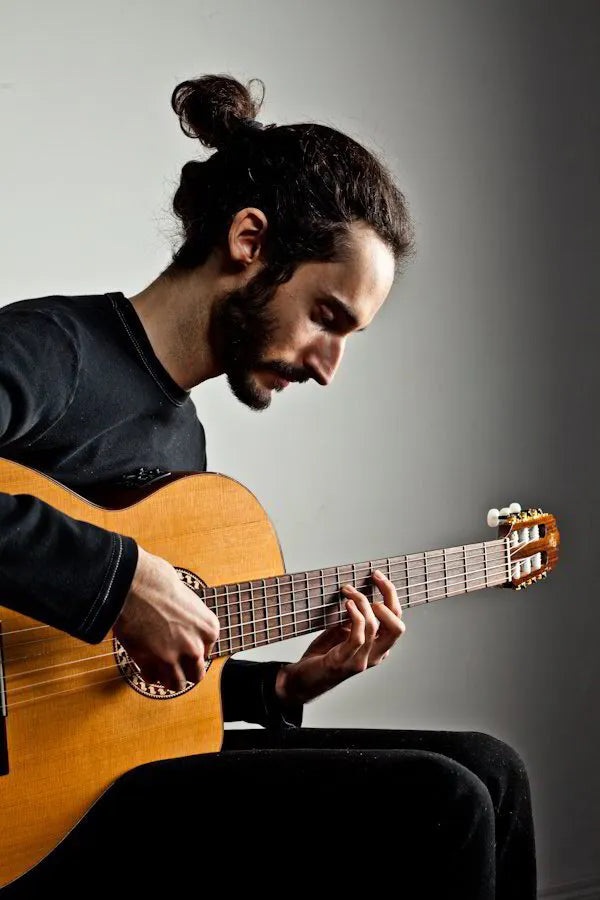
x,y
248,694
60,571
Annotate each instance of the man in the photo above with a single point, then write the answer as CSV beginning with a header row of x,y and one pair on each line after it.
x,y
292,240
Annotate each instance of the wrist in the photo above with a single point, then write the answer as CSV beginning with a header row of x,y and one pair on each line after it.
x,y
283,686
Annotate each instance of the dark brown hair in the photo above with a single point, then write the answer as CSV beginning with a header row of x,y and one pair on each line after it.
x,y
311,181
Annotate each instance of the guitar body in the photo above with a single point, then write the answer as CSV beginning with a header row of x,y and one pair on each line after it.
x,y
65,750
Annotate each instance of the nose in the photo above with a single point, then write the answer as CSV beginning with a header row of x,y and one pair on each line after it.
x,y
325,358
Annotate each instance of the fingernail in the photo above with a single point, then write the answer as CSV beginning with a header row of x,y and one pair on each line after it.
x,y
378,572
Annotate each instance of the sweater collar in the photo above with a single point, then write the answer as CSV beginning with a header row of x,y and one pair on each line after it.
x,y
139,339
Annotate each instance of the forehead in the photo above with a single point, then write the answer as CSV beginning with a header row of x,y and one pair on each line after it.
x,y
361,280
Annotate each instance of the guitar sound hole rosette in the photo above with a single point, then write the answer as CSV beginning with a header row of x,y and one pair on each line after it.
x,y
130,671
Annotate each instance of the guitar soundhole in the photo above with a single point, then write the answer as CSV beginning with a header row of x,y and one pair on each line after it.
x,y
129,669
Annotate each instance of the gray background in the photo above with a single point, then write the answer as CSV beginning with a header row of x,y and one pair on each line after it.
x,y
474,387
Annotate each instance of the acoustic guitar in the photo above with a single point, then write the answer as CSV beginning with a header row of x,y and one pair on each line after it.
x,y
76,716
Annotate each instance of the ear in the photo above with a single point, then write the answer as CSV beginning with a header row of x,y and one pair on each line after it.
x,y
247,235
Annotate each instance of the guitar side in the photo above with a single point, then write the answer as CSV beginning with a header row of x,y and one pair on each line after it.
x,y
65,750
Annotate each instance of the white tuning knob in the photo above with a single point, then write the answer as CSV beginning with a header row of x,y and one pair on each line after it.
x,y
493,517
504,512
515,508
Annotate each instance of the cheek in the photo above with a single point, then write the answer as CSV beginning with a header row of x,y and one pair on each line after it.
x,y
292,336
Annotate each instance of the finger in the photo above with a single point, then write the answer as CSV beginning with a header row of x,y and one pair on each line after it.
x,y
391,628
361,656
149,674
329,638
146,668
172,676
209,647
193,668
388,591
178,678
345,651
371,622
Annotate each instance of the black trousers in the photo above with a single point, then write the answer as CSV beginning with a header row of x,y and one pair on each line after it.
x,y
422,814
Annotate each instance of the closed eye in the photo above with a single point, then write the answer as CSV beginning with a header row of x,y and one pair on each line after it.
x,y
327,317
337,316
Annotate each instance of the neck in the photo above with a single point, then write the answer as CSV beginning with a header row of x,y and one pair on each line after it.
x,y
175,313
255,613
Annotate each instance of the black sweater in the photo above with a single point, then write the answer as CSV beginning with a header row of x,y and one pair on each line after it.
x,y
85,400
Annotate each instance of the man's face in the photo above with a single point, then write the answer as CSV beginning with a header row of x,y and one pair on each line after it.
x,y
268,336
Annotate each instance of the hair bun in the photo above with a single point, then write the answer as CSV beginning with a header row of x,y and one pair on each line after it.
x,y
215,108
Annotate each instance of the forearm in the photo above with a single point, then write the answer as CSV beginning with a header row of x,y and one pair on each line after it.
x,y
61,571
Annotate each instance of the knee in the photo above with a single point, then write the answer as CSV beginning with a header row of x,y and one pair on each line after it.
x,y
456,785
501,761
502,754
466,808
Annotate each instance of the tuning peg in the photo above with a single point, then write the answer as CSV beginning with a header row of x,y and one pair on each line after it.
x,y
514,508
493,517
504,512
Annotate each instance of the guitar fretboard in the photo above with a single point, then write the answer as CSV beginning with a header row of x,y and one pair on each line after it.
x,y
267,610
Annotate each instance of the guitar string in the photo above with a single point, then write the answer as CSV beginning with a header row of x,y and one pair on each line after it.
x,y
253,601
313,575
339,611
317,573
11,706
316,615
313,611
280,614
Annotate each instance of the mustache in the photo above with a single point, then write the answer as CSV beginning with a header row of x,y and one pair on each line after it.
x,y
287,371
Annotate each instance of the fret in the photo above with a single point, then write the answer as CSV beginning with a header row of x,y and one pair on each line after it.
x,y
240,616
321,614
307,598
407,581
389,570
279,616
485,565
251,611
426,579
288,601
268,616
228,619
293,601
271,618
266,610
478,575
466,569
440,575
415,588
445,574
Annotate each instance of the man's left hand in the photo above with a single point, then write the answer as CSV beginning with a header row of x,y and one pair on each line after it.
x,y
345,649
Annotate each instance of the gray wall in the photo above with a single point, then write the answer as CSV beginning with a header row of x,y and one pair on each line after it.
x,y
474,387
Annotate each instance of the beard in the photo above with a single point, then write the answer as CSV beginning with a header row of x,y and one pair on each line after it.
x,y
241,330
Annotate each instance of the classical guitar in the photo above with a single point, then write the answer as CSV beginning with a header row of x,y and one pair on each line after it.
x,y
76,716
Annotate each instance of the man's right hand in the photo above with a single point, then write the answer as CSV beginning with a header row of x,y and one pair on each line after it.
x,y
164,626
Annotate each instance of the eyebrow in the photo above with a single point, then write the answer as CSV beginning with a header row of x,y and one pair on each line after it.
x,y
344,310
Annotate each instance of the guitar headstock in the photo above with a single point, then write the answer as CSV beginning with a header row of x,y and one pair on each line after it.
x,y
534,542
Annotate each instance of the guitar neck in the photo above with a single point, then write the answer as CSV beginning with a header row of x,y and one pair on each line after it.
x,y
268,610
